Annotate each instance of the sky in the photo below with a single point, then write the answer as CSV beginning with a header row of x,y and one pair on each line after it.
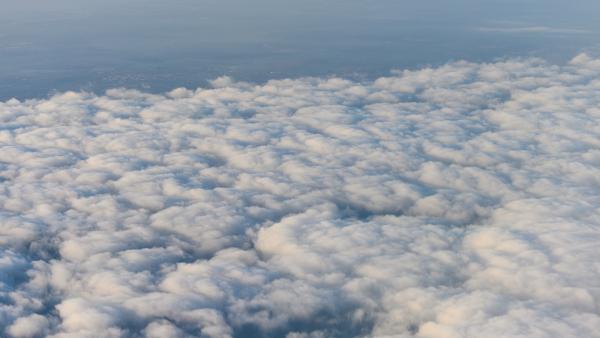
x,y
381,169
50,46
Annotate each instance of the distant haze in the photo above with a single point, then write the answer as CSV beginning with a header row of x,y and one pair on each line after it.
x,y
153,45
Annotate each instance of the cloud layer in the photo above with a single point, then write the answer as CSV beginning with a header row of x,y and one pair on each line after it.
x,y
459,201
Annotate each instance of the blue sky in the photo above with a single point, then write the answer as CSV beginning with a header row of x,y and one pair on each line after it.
x,y
157,45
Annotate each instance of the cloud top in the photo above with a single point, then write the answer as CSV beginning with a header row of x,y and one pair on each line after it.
x,y
458,201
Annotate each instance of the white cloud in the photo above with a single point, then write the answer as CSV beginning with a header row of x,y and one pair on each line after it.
x,y
534,29
458,201
31,326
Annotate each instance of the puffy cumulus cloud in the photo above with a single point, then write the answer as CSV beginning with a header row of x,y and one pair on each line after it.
x,y
31,326
459,201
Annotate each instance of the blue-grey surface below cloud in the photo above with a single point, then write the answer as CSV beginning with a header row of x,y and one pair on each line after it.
x,y
458,201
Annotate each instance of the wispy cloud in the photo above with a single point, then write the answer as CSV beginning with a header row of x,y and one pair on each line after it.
x,y
534,29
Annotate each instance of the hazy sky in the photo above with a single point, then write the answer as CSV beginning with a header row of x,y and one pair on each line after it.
x,y
158,45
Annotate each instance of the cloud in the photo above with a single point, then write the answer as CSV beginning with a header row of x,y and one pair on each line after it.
x,y
534,29
458,201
